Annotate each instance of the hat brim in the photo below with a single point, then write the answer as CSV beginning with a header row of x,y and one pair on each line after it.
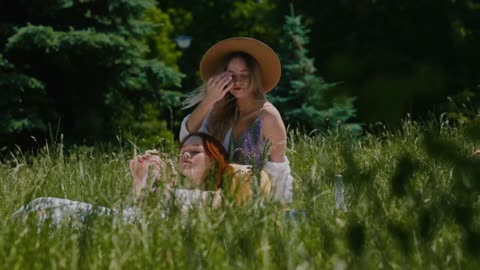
x,y
267,59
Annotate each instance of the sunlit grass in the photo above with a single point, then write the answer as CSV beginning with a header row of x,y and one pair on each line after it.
x,y
407,207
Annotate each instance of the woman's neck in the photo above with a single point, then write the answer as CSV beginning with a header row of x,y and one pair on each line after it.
x,y
189,183
248,106
192,185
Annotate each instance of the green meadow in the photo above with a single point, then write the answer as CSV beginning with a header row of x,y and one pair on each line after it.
x,y
410,202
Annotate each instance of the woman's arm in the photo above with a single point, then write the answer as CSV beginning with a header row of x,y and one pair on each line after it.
x,y
275,133
278,166
195,120
215,89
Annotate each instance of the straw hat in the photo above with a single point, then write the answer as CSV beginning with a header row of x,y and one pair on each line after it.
x,y
267,59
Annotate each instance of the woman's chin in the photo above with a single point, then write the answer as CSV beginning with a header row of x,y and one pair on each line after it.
x,y
187,172
237,92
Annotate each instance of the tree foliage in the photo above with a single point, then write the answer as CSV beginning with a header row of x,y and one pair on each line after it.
x,y
95,64
160,43
396,57
22,99
303,97
97,67
208,22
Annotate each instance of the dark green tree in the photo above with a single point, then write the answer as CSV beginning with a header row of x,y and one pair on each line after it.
x,y
303,97
84,66
23,99
396,57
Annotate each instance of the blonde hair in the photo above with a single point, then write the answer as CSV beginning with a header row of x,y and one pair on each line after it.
x,y
225,111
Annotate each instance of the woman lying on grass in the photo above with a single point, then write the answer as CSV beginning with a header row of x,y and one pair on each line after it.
x,y
204,173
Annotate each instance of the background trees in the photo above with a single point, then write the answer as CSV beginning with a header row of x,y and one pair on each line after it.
x,y
97,69
94,68
303,97
396,57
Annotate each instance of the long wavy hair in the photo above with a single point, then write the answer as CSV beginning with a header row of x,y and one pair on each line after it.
x,y
225,111
216,152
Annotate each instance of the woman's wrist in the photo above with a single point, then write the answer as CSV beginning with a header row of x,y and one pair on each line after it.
x,y
207,104
194,122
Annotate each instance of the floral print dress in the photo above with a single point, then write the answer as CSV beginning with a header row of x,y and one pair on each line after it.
x,y
250,148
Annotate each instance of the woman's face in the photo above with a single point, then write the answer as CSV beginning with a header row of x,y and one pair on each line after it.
x,y
194,162
240,78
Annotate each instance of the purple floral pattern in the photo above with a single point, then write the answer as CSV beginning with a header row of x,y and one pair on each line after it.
x,y
250,147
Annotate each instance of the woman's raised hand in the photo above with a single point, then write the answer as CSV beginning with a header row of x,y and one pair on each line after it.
x,y
139,172
217,86
157,164
139,169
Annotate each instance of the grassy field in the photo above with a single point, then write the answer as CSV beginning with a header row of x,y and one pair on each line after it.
x,y
411,202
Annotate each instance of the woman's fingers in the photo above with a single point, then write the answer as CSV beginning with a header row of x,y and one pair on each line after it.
x,y
154,158
137,169
227,87
142,158
155,166
219,77
223,84
140,164
157,162
156,171
225,80
217,86
147,158
158,166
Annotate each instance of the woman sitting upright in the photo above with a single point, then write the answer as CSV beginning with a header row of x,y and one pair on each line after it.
x,y
231,106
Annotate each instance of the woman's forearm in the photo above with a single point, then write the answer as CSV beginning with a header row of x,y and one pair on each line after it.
x,y
195,121
136,192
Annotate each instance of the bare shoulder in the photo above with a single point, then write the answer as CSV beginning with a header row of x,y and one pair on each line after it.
x,y
270,113
272,120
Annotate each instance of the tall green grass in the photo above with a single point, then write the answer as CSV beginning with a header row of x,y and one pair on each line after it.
x,y
411,202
